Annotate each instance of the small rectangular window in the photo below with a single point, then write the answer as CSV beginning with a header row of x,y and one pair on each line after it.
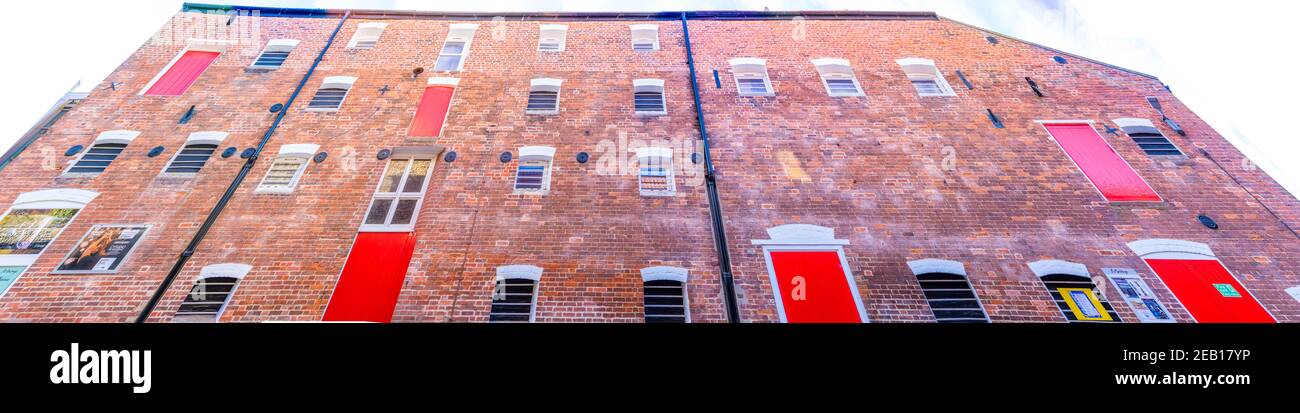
x,y
450,58
96,159
927,87
752,86
655,174
283,175
191,158
649,102
397,201
837,75
328,98
552,38
367,35
206,299
274,55
513,300
925,77
951,298
645,37
665,301
842,87
533,176
1147,137
543,102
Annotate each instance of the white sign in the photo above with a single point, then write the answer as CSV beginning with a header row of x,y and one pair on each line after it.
x,y
1139,296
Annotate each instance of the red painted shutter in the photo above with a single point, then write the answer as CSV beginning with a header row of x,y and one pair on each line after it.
x,y
182,74
826,295
1193,282
1106,169
432,111
372,278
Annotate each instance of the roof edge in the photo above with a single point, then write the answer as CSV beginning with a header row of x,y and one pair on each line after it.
x,y
1051,49
664,15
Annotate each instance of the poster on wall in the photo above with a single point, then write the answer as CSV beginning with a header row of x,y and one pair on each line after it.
x,y
28,231
9,274
102,250
1138,295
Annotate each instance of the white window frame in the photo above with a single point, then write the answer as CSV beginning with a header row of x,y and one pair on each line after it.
x,y
459,32
650,85
831,68
193,45
521,272
678,274
367,32
556,32
1140,311
645,33
229,270
301,150
646,155
64,198
924,69
334,82
124,137
1127,124
274,45
196,138
535,153
397,197
544,85
1294,292
751,68
806,238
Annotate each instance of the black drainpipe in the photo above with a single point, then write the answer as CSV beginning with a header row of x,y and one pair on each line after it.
x,y
239,179
711,182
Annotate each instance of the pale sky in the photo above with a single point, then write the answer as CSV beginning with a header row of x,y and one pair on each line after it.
x,y
1215,55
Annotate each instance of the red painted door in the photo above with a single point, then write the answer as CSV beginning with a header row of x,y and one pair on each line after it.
x,y
182,74
1106,169
813,287
432,111
1209,292
372,278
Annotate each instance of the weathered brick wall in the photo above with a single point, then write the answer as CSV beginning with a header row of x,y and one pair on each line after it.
x,y
901,177
873,168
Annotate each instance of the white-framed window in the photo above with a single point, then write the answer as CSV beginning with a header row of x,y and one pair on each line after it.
x,y
1294,292
181,72
533,176
648,97
645,37
456,48
195,154
333,90
925,77
33,221
514,295
211,293
287,168
1074,292
552,38
274,55
751,76
1147,137
367,35
951,297
838,77
102,152
544,96
665,297
397,201
655,172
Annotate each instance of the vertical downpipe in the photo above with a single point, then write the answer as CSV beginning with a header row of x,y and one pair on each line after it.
x,y
711,184
234,185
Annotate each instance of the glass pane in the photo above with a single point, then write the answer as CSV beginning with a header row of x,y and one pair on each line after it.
x,y
405,210
378,212
393,175
415,181
447,63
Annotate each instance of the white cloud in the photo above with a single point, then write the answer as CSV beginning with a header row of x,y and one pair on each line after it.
x,y
1226,61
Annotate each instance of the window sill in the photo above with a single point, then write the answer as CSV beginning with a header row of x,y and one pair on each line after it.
x,y
386,228
652,114
532,192
938,95
325,110
542,112
261,191
657,194
79,175
749,95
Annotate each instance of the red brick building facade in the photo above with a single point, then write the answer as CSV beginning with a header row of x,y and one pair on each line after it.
x,y
884,167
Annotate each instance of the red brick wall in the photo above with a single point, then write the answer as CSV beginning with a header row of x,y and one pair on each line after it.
x,y
873,168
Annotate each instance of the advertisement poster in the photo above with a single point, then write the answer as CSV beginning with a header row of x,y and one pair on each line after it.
x,y
1139,296
9,274
28,231
103,249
